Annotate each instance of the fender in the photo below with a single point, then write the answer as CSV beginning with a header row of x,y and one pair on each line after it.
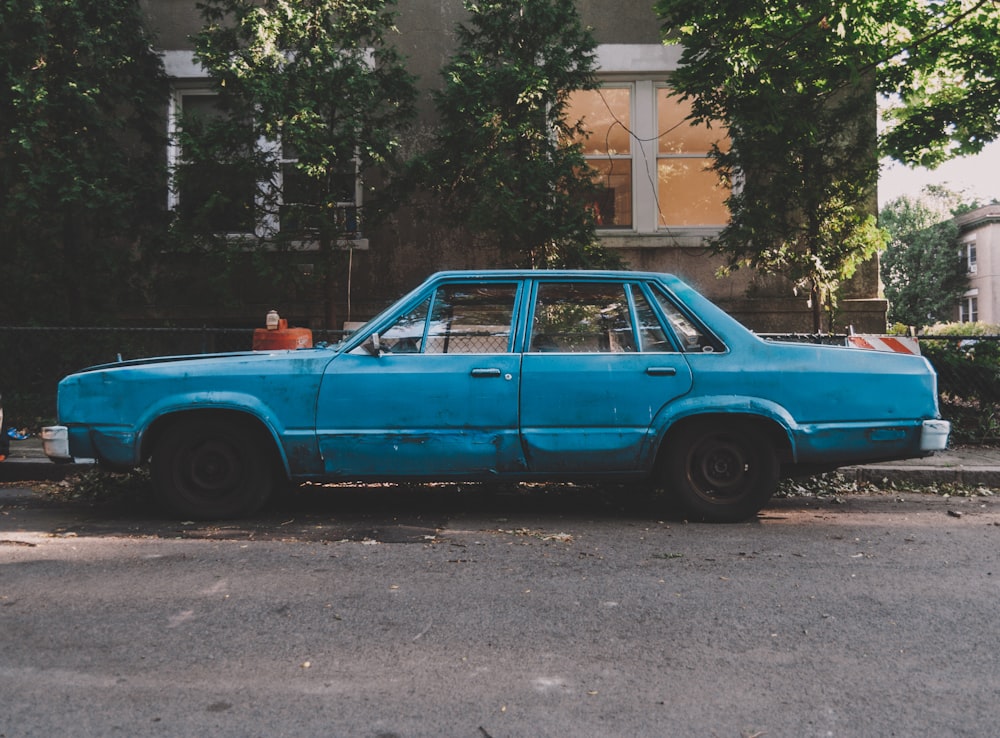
x,y
246,404
745,405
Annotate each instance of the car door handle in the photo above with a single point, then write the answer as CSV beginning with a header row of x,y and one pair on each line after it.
x,y
661,371
486,372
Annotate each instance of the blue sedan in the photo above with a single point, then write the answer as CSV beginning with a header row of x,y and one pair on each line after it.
x,y
510,375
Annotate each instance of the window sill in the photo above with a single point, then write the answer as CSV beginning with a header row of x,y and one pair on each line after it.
x,y
306,245
672,238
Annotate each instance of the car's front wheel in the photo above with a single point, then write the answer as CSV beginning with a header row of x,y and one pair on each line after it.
x,y
719,470
213,468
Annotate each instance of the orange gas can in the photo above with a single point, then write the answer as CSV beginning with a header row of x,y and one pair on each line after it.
x,y
280,336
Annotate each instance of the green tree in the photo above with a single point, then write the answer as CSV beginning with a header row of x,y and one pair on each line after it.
x,y
321,80
940,70
504,159
923,269
792,82
81,172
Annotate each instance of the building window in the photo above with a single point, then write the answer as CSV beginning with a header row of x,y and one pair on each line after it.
x,y
221,195
970,256
653,165
607,147
690,192
968,308
302,209
229,198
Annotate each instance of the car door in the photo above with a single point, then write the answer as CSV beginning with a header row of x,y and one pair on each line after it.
x,y
597,368
437,400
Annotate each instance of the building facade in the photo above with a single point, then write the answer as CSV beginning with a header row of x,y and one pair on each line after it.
x,y
661,203
979,241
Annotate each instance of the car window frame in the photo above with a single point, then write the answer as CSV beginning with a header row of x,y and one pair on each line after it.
x,y
629,286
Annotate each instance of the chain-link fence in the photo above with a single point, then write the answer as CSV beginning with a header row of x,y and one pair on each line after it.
x,y
969,384
33,360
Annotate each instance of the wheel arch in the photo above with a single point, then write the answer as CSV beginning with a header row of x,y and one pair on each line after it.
x,y
262,432
776,432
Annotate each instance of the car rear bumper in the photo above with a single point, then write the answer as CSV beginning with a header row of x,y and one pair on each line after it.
x,y
858,443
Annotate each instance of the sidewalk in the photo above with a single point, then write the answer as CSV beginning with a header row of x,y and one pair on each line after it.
x,y
28,462
969,465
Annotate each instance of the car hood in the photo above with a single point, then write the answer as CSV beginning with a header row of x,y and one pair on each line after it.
x,y
207,358
128,393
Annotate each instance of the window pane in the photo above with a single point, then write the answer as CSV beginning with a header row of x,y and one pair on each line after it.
x,y
582,318
471,319
651,333
201,107
218,197
214,194
304,206
301,209
606,115
690,193
678,136
613,205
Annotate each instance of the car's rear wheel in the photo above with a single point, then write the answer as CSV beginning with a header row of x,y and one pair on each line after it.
x,y
212,468
719,470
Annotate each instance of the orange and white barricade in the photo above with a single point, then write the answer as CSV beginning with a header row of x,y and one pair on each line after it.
x,y
895,344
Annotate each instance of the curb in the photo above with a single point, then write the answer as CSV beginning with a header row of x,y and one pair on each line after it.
x,y
923,476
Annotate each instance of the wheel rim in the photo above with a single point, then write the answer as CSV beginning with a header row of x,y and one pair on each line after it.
x,y
720,469
210,470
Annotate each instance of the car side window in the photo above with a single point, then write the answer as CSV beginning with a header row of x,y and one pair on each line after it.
x,y
651,334
456,319
585,317
406,335
693,337
471,319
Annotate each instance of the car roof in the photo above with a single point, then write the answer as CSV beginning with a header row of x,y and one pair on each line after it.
x,y
548,273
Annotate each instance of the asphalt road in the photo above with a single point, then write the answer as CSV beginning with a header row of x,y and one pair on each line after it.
x,y
438,612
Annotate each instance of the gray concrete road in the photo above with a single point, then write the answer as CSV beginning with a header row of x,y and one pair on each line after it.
x,y
436,612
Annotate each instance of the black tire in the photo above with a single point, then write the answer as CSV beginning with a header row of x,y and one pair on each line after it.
x,y
720,471
212,469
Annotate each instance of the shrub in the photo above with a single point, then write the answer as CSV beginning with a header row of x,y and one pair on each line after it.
x,y
968,365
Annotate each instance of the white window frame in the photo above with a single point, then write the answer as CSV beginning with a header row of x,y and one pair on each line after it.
x,y
971,256
187,88
188,77
968,308
646,69
271,219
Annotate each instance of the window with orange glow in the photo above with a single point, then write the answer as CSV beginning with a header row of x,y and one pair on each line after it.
x,y
690,193
652,164
606,115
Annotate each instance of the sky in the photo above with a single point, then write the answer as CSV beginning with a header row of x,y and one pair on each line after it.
x,y
978,177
